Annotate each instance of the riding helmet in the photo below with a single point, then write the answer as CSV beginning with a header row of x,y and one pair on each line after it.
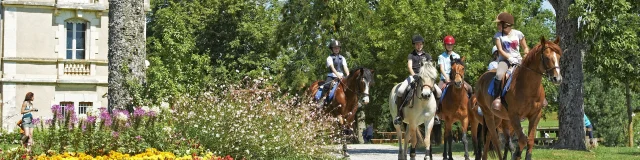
x,y
417,38
334,43
505,17
449,40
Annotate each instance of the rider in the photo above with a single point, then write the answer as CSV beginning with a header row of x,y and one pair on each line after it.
x,y
336,64
508,42
494,60
415,60
444,60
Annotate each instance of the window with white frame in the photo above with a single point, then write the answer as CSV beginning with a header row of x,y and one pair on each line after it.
x,y
84,106
76,39
63,106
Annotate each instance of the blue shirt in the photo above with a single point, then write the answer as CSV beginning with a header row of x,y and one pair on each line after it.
x,y
586,121
443,59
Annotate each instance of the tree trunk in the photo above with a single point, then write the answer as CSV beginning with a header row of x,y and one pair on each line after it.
x,y
361,125
126,49
571,99
629,114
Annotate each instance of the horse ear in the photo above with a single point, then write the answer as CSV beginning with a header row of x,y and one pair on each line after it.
x,y
542,40
371,70
463,58
557,41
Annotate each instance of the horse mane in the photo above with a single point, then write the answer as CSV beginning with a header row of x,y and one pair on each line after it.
x,y
366,73
537,50
428,71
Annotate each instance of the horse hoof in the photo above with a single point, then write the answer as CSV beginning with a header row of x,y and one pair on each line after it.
x,y
428,158
346,155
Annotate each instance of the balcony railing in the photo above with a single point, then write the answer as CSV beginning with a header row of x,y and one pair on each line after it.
x,y
77,69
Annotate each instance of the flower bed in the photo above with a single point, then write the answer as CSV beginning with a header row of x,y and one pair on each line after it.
x,y
150,153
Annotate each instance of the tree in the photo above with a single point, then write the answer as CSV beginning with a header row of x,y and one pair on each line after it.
x,y
571,99
611,32
126,51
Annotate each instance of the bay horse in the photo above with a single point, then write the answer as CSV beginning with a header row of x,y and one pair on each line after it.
x,y
476,122
421,109
454,107
525,98
344,104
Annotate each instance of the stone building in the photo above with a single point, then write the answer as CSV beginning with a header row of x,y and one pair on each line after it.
x,y
56,49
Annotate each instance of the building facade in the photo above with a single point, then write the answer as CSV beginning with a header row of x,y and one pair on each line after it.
x,y
56,49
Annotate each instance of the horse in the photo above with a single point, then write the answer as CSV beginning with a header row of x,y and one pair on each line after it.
x,y
476,122
454,107
421,109
344,104
525,99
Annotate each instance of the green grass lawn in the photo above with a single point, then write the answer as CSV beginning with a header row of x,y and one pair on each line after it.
x,y
544,153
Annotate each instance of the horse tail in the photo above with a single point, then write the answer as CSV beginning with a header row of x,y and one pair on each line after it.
x,y
492,152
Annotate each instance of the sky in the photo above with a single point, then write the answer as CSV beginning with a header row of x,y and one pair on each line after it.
x,y
547,5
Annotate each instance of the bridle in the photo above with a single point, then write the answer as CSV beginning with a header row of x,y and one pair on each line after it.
x,y
543,62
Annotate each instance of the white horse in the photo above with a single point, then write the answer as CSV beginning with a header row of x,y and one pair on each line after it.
x,y
422,109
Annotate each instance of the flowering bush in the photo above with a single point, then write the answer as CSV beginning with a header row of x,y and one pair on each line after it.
x,y
100,132
150,153
254,122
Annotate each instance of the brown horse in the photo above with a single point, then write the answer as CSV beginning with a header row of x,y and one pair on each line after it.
x,y
525,97
344,104
476,122
454,107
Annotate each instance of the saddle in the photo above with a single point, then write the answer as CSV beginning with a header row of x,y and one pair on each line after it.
x,y
505,86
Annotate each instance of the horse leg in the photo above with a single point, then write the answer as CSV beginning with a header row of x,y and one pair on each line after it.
x,y
465,124
507,140
519,137
413,133
427,139
399,135
533,124
478,136
447,138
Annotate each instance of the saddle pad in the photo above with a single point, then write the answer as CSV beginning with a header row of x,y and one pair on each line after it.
x,y
504,90
444,91
332,92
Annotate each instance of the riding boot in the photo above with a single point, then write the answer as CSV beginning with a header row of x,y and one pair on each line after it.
x,y
497,91
400,103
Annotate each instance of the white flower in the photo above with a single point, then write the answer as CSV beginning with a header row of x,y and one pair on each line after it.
x,y
122,117
145,108
154,109
82,117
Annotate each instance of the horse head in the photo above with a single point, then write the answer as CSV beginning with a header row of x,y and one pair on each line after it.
x,y
548,54
426,80
457,71
364,79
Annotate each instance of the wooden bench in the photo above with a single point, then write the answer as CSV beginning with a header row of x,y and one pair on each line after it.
x,y
385,137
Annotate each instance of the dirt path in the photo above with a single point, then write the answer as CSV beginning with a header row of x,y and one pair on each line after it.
x,y
380,151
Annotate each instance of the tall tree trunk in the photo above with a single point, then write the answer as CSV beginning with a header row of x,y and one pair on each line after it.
x,y
629,114
571,99
126,49
361,126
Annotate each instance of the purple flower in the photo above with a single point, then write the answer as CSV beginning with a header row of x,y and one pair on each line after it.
x,y
102,109
115,134
151,113
69,108
91,119
48,121
104,115
139,137
55,108
127,125
84,127
74,118
107,121
138,112
36,121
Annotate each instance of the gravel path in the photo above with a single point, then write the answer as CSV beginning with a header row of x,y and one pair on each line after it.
x,y
382,152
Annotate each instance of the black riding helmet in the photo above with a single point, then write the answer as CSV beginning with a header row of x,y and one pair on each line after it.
x,y
334,43
417,38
